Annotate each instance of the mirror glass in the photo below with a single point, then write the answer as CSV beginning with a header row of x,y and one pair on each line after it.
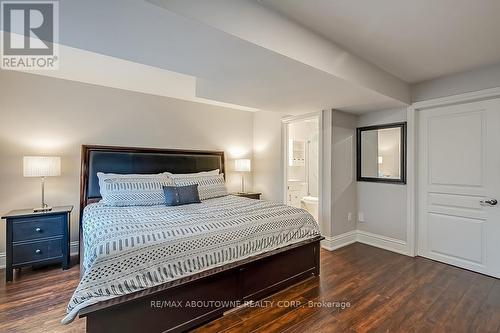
x,y
381,153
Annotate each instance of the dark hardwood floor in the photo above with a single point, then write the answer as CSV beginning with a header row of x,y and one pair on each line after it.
x,y
386,292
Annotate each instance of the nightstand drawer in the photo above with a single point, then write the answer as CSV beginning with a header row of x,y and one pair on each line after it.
x,y
38,227
36,251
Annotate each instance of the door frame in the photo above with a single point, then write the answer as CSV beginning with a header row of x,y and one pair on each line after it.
x,y
284,158
413,204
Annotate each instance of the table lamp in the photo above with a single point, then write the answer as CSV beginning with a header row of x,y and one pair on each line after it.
x,y
242,165
42,166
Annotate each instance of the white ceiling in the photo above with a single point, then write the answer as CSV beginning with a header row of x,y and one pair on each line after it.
x,y
252,54
226,69
415,40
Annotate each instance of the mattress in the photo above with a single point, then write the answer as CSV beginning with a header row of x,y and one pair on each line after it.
x,y
129,249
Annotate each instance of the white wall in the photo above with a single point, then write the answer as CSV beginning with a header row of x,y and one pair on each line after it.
x,y
41,115
325,186
474,80
384,206
343,172
268,155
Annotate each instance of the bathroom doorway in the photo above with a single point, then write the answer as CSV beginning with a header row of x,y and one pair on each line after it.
x,y
302,163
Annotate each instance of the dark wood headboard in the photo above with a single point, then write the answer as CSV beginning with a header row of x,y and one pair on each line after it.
x,y
126,160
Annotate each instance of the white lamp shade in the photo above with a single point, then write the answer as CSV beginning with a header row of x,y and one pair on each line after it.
x,y
41,166
242,165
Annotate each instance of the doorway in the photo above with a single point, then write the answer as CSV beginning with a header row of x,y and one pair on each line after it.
x,y
459,185
302,163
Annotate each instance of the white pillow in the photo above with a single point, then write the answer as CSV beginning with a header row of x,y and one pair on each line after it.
x,y
209,186
133,189
195,174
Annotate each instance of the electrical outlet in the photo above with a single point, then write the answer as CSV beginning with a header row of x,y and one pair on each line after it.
x,y
349,217
361,217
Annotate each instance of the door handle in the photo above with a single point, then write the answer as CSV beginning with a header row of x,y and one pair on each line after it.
x,y
490,202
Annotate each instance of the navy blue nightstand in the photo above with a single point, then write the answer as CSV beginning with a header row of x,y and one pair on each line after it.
x,y
37,238
250,195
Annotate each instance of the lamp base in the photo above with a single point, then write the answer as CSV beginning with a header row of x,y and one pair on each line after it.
x,y
42,209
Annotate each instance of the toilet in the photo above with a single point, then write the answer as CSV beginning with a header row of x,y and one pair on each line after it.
x,y
310,204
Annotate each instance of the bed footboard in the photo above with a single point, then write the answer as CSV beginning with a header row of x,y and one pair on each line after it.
x,y
185,306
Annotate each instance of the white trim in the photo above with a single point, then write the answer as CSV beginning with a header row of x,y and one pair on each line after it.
x,y
321,189
325,171
74,247
284,160
411,158
335,242
383,242
465,97
284,164
413,191
292,119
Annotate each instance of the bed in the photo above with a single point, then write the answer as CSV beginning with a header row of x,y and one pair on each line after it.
x,y
194,262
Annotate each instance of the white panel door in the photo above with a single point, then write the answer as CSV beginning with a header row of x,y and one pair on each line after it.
x,y
459,181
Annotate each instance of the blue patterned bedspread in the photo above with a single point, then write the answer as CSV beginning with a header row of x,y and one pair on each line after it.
x,y
128,249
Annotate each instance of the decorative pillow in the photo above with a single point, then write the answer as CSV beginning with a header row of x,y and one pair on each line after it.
x,y
181,195
133,189
195,174
208,186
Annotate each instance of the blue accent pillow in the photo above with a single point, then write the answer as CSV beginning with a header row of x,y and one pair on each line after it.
x,y
181,195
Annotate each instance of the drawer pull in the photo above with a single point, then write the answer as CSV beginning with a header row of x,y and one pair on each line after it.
x,y
38,230
38,251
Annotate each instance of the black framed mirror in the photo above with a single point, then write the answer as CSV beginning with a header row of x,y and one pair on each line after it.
x,y
381,153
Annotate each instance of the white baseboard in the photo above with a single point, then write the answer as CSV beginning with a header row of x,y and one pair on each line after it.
x,y
74,247
73,250
335,242
383,242
329,243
